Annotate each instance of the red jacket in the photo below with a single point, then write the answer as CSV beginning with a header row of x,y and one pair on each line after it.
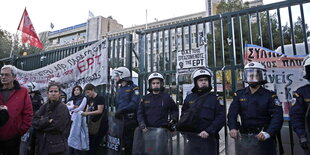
x,y
20,113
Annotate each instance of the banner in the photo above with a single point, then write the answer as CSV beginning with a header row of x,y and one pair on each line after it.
x,y
284,72
191,59
29,34
89,65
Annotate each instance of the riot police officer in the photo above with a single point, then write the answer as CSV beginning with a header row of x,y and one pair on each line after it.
x,y
35,95
299,111
157,109
127,102
211,113
260,111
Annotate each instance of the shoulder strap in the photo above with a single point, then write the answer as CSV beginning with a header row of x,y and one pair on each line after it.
x,y
200,97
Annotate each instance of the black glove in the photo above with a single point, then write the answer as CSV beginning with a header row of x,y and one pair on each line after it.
x,y
303,143
118,115
172,125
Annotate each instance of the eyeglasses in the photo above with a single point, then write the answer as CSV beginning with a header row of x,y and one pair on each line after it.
x,y
5,74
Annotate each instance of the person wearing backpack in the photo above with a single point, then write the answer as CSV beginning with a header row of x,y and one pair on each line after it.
x,y
210,114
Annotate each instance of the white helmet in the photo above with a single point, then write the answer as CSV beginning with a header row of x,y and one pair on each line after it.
x,y
254,73
155,76
122,72
201,72
254,65
306,67
33,86
55,79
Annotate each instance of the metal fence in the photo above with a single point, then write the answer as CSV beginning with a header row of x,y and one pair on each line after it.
x,y
223,36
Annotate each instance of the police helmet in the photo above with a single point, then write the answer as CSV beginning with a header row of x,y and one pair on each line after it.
x,y
199,73
55,79
306,67
33,86
254,73
156,75
122,72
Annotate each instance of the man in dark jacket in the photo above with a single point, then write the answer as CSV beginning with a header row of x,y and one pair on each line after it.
x,y
127,102
157,109
261,114
19,106
211,114
299,114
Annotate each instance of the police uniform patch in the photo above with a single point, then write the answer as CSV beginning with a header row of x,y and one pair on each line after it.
x,y
307,100
128,90
293,101
277,102
295,94
146,101
137,92
243,99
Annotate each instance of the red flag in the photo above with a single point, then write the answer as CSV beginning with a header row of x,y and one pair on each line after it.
x,y
29,34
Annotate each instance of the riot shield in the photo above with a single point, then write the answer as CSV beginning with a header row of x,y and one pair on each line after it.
x,y
155,141
248,144
114,138
185,143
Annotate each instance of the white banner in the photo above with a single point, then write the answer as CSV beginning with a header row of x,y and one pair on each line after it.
x,y
284,73
90,65
191,59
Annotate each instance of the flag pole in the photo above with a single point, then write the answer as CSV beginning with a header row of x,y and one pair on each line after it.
x,y
13,43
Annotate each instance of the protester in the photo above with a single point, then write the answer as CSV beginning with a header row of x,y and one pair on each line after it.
x,y
52,123
76,104
97,118
16,100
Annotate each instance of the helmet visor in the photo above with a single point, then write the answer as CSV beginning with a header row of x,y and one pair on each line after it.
x,y
115,74
253,75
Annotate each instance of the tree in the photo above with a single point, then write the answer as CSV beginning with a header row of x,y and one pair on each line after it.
x,y
5,43
6,40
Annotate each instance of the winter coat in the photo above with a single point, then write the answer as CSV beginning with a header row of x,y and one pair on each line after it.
x,y
20,112
52,136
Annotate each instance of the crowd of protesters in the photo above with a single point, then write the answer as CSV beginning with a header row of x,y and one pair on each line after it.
x,y
76,126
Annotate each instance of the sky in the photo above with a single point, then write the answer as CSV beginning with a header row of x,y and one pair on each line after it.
x,y
65,13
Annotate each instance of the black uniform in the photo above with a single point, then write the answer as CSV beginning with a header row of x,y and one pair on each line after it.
x,y
261,111
211,120
127,102
155,110
299,113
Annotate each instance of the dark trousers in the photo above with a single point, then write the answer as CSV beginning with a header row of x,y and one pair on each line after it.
x,y
73,151
250,145
200,146
95,140
129,130
10,147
